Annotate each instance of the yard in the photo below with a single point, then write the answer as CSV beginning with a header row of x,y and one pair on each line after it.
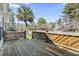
x,y
29,36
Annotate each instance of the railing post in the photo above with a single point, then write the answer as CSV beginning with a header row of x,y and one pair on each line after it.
x,y
24,34
32,35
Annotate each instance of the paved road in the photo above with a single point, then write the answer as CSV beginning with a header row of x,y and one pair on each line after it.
x,y
32,48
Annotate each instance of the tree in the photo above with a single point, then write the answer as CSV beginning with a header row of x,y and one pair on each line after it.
x,y
12,21
51,26
25,14
41,21
59,21
70,9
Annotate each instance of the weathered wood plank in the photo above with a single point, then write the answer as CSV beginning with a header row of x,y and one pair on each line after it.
x,y
31,48
35,50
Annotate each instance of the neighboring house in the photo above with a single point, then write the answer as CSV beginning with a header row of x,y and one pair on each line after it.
x,y
21,27
46,27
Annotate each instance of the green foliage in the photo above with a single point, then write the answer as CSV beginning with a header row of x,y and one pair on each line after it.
x,y
51,26
25,14
70,9
41,21
47,30
29,37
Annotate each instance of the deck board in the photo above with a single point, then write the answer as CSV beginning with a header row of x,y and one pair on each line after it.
x,y
32,47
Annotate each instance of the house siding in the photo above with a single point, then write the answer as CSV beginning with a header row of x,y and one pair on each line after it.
x,y
1,24
4,18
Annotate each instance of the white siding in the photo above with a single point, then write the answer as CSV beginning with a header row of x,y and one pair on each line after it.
x,y
1,25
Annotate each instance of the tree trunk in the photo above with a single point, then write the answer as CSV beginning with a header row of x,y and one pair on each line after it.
x,y
25,21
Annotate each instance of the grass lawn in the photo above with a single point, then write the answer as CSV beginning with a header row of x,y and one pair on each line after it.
x,y
29,36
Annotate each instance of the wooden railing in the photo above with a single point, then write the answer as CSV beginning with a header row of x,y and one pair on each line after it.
x,y
63,39
11,35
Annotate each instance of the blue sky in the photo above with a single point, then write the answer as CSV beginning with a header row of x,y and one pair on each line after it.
x,y
50,11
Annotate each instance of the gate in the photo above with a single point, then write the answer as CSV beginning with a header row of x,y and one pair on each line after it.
x,y
13,35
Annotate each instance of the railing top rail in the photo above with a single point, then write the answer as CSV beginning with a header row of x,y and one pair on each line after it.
x,y
65,33
11,32
14,31
61,33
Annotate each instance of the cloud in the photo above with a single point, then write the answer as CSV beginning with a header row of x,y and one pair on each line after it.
x,y
65,3
28,3
14,5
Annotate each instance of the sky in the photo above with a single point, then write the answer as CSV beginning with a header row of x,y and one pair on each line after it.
x,y
49,11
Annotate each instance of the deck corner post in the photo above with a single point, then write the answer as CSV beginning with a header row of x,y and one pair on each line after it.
x,y
32,35
24,34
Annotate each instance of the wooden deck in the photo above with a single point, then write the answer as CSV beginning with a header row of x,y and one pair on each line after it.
x,y
32,48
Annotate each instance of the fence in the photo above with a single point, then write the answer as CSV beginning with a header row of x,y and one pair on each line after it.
x,y
13,35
